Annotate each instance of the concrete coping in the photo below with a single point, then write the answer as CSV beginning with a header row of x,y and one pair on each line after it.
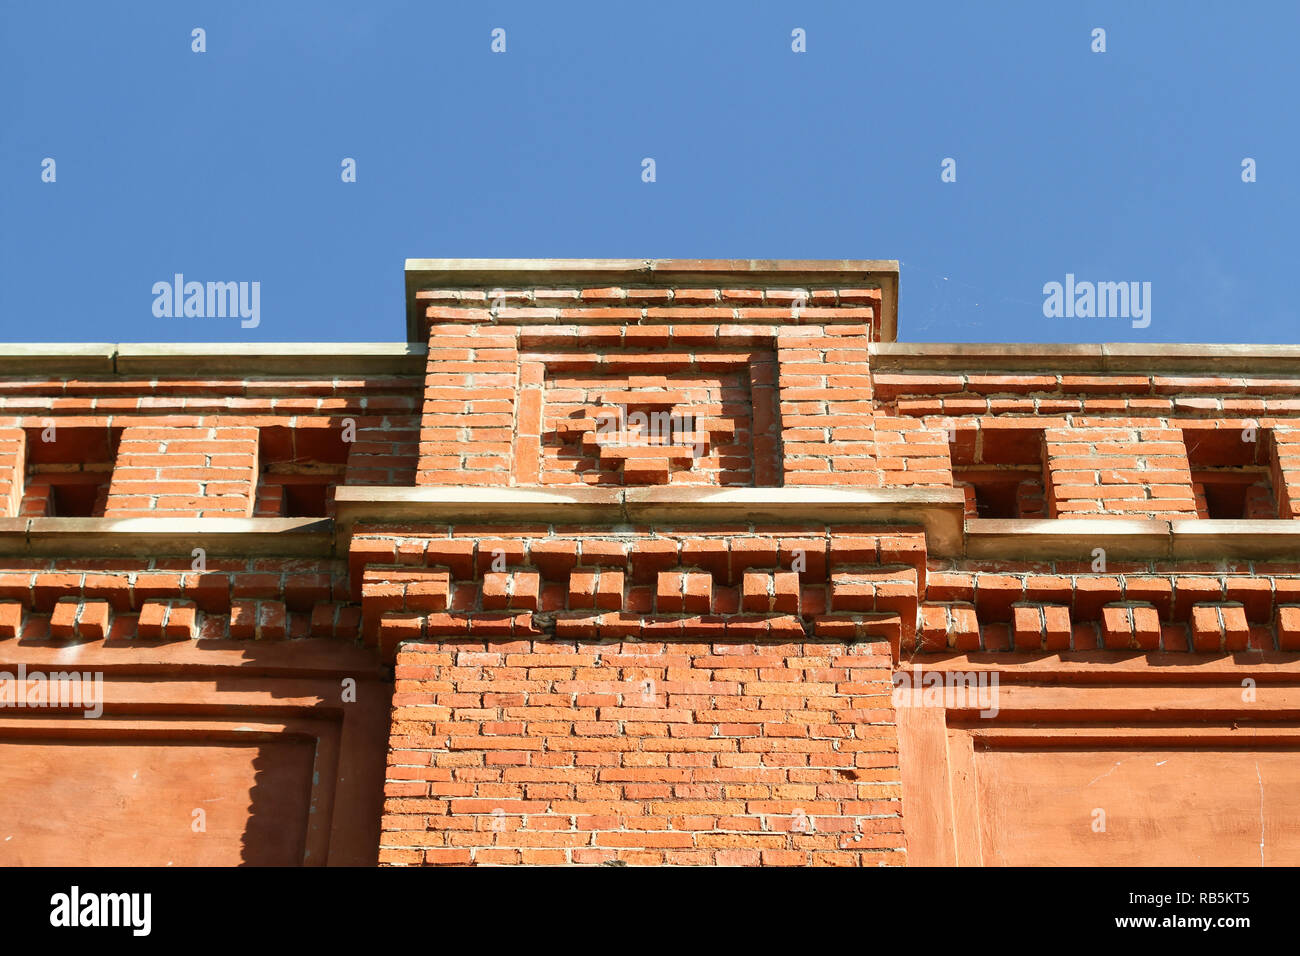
x,y
171,537
688,273
983,358
937,510
189,359
1183,539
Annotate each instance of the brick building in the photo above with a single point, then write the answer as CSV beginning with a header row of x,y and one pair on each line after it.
x,y
684,562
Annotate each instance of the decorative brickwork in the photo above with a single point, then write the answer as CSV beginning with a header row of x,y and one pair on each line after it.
x,y
650,548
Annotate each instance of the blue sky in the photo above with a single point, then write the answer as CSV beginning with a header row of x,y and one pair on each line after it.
x,y
225,165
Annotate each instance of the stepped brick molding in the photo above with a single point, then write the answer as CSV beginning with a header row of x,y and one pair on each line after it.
x,y
664,562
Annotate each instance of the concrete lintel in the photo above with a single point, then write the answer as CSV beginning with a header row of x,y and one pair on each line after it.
x,y
1183,539
273,358
35,359
190,359
378,505
561,273
1210,539
144,537
937,510
1075,539
1130,358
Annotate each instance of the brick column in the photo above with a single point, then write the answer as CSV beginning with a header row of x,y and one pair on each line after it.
x,y
828,435
471,387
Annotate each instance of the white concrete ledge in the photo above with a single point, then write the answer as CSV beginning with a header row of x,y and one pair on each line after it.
x,y
1049,359
937,510
171,537
189,360
1186,539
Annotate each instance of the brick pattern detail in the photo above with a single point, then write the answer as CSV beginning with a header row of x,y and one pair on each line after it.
x,y
671,586
517,379
643,753
656,695
184,472
770,592
259,620
1146,609
254,598
1118,472
691,427
831,432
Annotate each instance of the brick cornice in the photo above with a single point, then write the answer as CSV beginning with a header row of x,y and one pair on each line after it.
x,y
1188,539
522,273
1055,358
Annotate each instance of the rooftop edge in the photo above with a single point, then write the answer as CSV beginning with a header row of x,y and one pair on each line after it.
x,y
519,273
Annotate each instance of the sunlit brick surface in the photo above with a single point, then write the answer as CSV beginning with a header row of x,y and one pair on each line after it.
x,y
647,551
558,752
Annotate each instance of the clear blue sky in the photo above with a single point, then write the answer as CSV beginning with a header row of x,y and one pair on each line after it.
x,y
225,165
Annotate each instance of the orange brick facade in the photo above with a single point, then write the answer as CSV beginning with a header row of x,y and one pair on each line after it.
x,y
632,558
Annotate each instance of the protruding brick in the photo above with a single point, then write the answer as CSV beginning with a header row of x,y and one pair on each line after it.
x,y
1130,627
511,590
690,592
11,619
1041,627
1219,627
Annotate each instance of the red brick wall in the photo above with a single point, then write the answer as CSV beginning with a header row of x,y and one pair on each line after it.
x,y
677,693
554,752
1128,471
184,472
187,447
779,383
